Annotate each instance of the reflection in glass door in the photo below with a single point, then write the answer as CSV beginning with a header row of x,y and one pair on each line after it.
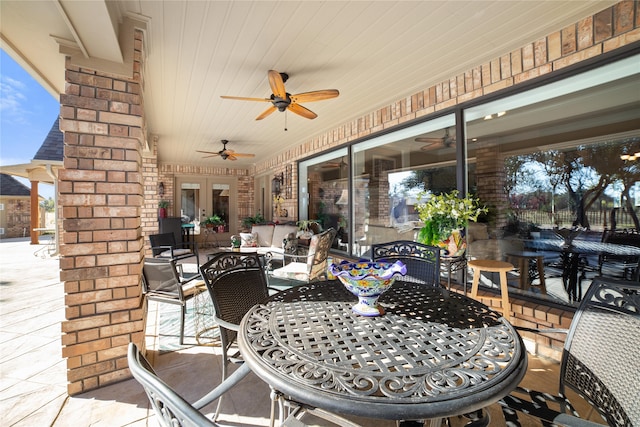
x,y
199,198
220,204
189,201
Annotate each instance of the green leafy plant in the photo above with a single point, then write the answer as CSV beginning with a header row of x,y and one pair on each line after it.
x,y
163,204
443,213
214,220
247,222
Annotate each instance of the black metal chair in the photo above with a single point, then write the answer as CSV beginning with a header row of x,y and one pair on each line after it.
x,y
170,408
422,261
600,361
161,282
236,282
165,246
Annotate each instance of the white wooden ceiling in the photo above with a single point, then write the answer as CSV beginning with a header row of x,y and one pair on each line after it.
x,y
373,52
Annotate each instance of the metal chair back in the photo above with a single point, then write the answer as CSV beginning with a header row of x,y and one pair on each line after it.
x,y
600,358
236,282
599,361
170,408
319,248
422,261
160,278
161,282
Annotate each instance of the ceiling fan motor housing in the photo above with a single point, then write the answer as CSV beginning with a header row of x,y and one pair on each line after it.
x,y
281,103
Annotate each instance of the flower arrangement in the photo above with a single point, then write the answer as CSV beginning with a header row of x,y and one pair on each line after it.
x,y
443,214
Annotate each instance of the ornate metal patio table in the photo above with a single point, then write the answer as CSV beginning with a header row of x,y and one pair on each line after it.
x,y
433,354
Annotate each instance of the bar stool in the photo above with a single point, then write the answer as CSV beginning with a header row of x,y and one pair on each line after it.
x,y
492,266
523,259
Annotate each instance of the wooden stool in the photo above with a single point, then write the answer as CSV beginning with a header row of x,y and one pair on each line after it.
x,y
523,259
492,266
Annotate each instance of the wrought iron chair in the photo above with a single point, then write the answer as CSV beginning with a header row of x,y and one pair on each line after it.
x,y
236,282
170,408
310,267
422,261
161,282
599,361
165,246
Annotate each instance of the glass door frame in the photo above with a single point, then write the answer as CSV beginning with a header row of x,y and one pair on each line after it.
x,y
205,202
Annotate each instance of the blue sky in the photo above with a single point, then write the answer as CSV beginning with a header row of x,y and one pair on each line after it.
x,y
27,112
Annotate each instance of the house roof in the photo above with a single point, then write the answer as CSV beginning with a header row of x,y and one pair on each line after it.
x,y
9,186
48,158
53,144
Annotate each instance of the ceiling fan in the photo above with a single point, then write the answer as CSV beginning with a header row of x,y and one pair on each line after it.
x,y
282,100
224,153
446,141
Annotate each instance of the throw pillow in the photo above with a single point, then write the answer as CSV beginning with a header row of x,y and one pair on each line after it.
x,y
249,239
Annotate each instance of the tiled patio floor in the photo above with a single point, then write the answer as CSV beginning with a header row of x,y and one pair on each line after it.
x,y
33,373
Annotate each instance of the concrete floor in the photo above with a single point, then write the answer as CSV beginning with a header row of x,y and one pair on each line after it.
x,y
33,373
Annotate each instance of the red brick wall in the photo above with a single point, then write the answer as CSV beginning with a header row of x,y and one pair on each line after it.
x,y
15,218
101,195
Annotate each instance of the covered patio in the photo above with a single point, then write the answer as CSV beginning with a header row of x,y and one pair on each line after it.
x,y
140,85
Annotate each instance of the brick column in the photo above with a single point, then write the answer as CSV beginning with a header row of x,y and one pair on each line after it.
x,y
101,195
490,179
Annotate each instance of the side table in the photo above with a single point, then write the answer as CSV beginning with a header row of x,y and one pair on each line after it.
x,y
492,266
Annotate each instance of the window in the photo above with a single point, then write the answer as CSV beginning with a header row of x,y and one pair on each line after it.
x,y
558,155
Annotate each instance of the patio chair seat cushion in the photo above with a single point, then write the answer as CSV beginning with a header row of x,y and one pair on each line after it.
x,y
175,253
293,271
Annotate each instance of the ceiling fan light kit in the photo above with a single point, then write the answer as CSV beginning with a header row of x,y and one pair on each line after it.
x,y
281,100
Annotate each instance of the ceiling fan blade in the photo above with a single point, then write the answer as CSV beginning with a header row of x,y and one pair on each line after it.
x,y
242,98
266,112
231,157
316,95
233,153
208,152
277,85
302,111
430,140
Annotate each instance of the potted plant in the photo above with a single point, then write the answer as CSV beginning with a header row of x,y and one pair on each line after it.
x,y
445,216
162,208
251,220
214,221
